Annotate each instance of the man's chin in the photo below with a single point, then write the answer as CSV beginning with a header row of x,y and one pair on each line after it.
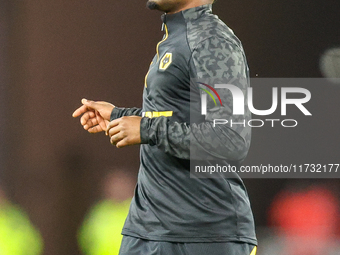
x,y
152,5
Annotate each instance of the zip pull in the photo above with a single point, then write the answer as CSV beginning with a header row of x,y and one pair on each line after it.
x,y
164,21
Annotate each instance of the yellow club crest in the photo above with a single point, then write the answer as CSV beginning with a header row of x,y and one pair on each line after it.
x,y
165,61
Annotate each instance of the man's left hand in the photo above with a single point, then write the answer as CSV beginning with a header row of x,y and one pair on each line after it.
x,y
124,131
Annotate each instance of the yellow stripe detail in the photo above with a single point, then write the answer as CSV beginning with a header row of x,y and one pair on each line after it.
x,y
146,76
166,37
158,114
254,251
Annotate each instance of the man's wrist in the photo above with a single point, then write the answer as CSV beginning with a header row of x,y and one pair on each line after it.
x,y
115,113
144,130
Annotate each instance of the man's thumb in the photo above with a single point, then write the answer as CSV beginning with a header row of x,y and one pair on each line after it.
x,y
88,103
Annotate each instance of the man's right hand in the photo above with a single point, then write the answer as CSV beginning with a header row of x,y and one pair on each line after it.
x,y
95,115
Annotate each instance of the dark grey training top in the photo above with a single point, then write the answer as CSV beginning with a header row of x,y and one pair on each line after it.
x,y
169,205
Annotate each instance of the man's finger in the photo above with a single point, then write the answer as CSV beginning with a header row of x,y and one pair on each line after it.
x,y
95,129
112,124
82,109
87,105
101,121
86,117
116,138
122,143
91,123
90,104
113,131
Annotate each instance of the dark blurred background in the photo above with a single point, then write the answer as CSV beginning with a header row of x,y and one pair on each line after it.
x,y
54,53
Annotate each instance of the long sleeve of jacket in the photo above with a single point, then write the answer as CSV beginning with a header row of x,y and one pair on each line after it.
x,y
118,112
215,59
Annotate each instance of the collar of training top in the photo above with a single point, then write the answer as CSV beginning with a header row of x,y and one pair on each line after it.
x,y
188,14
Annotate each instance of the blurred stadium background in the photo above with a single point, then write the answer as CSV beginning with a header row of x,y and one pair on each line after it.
x,y
54,176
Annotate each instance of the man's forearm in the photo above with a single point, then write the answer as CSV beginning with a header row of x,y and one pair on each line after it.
x,y
196,141
119,112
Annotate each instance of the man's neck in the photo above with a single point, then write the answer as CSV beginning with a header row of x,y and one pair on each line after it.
x,y
191,4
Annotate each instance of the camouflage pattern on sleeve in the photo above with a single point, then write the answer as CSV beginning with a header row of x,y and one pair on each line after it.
x,y
119,112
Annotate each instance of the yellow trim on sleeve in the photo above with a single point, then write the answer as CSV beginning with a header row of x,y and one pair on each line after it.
x,y
158,114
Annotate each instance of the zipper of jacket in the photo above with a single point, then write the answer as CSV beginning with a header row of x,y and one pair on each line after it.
x,y
164,27
164,39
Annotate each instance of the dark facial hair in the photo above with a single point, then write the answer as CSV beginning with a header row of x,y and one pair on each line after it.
x,y
152,5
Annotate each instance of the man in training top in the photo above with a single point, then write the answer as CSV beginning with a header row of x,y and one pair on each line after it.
x,y
172,213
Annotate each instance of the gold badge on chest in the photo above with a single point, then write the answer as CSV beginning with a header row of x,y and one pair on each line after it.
x,y
165,61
